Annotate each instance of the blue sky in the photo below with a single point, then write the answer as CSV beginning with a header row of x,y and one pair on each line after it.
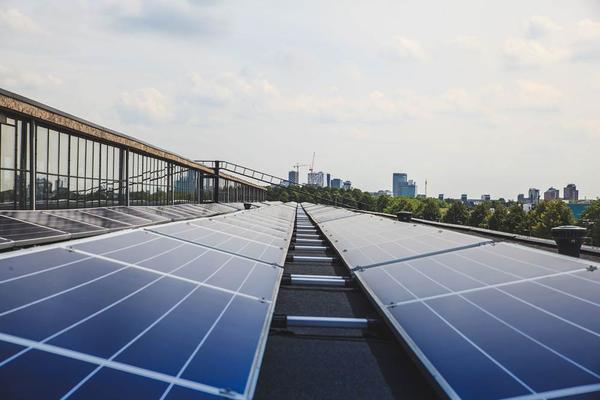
x,y
476,97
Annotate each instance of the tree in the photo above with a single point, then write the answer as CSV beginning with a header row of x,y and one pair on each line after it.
x,y
516,220
430,210
479,215
591,218
456,214
382,202
497,220
549,214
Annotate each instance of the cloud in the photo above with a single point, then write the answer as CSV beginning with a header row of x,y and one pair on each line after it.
x,y
466,42
228,88
14,20
145,105
586,47
539,26
537,95
531,53
406,49
588,29
20,78
175,17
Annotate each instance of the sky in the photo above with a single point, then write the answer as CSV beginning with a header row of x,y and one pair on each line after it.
x,y
475,97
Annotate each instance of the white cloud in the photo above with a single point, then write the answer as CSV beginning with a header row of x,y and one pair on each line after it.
x,y
228,88
20,78
144,105
16,21
539,26
588,29
537,95
407,49
531,53
467,42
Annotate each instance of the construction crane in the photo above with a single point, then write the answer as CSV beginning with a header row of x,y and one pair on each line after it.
x,y
297,167
312,164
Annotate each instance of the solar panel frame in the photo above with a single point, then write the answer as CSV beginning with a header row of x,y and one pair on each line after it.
x,y
262,336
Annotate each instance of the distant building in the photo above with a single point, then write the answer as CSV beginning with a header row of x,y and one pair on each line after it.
x,y
552,194
534,196
570,193
486,197
441,196
293,177
401,186
464,198
521,198
336,183
316,179
347,185
382,193
328,180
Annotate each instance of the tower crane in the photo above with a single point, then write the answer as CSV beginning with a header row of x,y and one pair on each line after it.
x,y
297,167
312,164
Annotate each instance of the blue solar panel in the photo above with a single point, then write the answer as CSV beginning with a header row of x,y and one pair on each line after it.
x,y
488,322
133,315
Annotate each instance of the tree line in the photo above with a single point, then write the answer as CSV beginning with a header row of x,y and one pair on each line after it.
x,y
499,215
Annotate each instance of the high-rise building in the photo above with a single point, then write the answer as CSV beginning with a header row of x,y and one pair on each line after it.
x,y
486,197
534,196
521,198
441,196
401,186
552,194
571,193
316,179
328,180
347,185
464,197
336,183
293,177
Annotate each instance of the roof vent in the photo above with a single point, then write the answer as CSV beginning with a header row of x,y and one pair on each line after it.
x,y
404,216
247,206
569,239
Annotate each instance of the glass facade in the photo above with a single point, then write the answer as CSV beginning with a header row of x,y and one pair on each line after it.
x,y
71,170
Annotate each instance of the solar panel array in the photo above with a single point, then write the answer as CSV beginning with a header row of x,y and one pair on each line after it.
x,y
22,228
487,320
146,313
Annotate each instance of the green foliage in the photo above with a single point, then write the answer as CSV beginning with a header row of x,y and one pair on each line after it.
x,y
497,219
516,220
479,215
457,214
430,210
547,215
591,219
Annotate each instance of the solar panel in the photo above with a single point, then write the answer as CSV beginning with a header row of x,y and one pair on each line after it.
x,y
495,321
133,314
75,228
141,212
25,233
79,215
116,215
364,240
